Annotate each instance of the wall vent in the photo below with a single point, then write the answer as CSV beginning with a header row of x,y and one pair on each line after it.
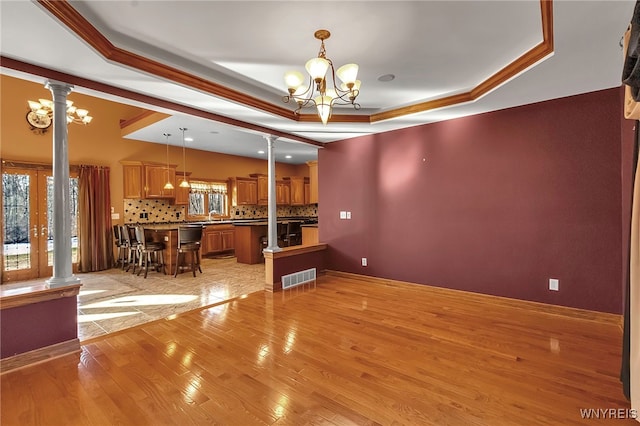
x,y
297,278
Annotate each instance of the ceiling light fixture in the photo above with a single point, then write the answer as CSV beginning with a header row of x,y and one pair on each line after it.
x,y
316,93
168,185
40,116
184,183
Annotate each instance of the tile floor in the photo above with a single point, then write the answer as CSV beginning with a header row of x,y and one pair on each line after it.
x,y
113,300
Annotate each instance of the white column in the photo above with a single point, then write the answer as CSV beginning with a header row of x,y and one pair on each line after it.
x,y
62,269
273,212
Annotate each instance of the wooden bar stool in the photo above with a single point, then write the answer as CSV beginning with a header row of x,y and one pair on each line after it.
x,y
121,245
129,234
189,238
150,253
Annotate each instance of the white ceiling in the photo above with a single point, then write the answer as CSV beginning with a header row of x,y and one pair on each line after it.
x,y
434,49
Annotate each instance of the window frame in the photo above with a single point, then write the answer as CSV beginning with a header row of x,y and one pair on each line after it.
x,y
209,182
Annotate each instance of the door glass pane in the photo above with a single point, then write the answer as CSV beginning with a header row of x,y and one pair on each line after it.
x,y
73,206
16,236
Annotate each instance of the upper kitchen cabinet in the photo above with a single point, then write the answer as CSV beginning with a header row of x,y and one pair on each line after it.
x,y
283,193
297,190
313,182
263,188
182,193
244,191
147,180
132,180
156,177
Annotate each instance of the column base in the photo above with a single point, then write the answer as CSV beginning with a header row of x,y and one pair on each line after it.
x,y
272,249
55,282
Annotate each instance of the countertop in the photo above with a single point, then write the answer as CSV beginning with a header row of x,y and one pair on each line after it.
x,y
237,222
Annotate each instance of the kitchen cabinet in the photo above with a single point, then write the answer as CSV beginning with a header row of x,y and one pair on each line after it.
x,y
245,191
307,193
182,194
147,180
263,188
156,176
132,180
313,182
218,238
309,234
297,192
283,192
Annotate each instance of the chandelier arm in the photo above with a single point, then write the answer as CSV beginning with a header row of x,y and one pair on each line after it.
x,y
309,90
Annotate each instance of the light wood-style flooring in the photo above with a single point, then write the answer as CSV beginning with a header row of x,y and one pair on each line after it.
x,y
347,351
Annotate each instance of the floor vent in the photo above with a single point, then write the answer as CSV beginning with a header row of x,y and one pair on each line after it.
x,y
297,278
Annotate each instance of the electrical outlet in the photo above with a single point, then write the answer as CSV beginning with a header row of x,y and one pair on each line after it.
x,y
554,284
364,261
343,215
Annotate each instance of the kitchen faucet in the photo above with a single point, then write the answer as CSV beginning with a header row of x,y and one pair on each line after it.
x,y
212,211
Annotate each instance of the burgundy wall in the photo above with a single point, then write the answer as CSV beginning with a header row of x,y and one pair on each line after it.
x,y
495,203
37,325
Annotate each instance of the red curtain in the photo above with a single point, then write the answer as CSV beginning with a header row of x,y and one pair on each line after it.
x,y
95,243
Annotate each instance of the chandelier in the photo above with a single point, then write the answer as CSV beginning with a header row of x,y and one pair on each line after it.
x,y
42,111
318,93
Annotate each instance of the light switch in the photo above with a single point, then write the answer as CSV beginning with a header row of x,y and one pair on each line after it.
x,y
348,215
115,216
343,215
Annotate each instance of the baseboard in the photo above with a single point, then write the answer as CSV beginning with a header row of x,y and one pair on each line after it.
x,y
37,356
565,311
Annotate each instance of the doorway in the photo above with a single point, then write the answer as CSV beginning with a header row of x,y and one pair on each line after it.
x,y
27,225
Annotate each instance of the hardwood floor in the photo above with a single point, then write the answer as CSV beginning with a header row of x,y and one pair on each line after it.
x,y
347,351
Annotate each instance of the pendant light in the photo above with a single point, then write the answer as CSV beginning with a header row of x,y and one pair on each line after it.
x,y
184,183
168,185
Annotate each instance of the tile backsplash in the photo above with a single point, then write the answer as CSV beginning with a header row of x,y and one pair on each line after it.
x,y
152,211
258,212
160,211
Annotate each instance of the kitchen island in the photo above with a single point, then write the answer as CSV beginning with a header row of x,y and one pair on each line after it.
x,y
249,237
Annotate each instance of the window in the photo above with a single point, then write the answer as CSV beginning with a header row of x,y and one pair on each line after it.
x,y
208,199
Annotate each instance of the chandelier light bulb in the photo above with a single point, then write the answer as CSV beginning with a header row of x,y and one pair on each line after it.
x,y
317,68
324,108
293,80
348,73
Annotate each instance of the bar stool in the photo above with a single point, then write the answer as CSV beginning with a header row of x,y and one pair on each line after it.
x,y
189,238
150,253
121,245
293,236
129,234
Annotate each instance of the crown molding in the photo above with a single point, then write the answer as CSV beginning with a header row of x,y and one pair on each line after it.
x,y
70,17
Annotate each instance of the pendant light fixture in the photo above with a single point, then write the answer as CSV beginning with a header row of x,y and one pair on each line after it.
x,y
168,185
184,183
322,91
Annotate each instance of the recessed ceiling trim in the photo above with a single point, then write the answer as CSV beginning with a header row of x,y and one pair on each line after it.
x,y
535,54
71,18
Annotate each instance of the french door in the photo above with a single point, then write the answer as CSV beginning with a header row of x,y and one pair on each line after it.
x,y
27,204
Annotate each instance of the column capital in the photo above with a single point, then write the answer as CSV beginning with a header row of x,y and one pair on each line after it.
x,y
58,87
270,138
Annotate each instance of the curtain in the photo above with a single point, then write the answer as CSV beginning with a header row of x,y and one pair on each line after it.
x,y
95,239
